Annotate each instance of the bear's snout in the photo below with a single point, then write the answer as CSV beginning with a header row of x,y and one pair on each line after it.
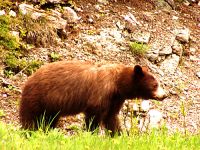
x,y
160,93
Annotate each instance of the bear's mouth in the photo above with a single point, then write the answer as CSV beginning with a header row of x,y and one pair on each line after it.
x,y
160,94
160,98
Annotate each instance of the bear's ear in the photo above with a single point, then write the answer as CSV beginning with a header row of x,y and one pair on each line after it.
x,y
138,70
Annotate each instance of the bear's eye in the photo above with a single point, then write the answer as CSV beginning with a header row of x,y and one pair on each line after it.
x,y
155,86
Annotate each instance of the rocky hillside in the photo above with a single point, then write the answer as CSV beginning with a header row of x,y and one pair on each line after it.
x,y
163,35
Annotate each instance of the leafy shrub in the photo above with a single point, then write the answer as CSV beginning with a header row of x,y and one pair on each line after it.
x,y
12,53
2,113
138,48
7,40
15,64
39,31
5,4
54,56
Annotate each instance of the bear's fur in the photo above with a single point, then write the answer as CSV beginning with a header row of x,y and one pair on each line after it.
x,y
71,87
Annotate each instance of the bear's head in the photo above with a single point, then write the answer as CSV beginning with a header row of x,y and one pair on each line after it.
x,y
146,85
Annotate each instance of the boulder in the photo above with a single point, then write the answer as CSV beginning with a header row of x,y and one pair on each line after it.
x,y
170,64
177,48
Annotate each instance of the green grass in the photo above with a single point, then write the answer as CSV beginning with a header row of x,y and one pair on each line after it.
x,y
12,138
138,49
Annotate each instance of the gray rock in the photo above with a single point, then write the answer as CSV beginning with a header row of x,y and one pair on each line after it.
x,y
170,64
177,48
25,8
198,74
161,58
141,37
36,15
183,35
12,13
54,1
49,1
131,22
70,15
166,50
145,105
120,26
155,118
193,50
104,2
164,4
2,12
15,34
116,34
152,54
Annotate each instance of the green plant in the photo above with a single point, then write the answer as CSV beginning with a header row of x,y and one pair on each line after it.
x,y
7,40
138,48
14,138
39,32
184,113
54,56
2,113
14,64
6,4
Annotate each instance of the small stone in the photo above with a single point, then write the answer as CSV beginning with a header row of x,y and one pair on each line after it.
x,y
25,8
174,17
198,74
170,64
97,7
54,1
36,15
119,25
104,2
143,37
166,50
4,95
152,54
131,22
173,92
155,118
135,107
186,3
145,105
116,34
195,59
177,48
70,15
193,50
2,12
15,34
131,18
12,13
183,35
90,20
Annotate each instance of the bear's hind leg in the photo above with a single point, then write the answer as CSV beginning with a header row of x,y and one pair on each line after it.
x,y
47,120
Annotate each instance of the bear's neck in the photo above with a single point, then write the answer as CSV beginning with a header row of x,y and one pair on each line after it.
x,y
125,84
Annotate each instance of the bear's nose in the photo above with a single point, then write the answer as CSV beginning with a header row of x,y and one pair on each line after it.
x,y
160,93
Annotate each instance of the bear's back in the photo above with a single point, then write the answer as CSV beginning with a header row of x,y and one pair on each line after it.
x,y
71,83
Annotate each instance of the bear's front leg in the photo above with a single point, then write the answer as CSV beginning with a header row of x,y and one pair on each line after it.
x,y
112,124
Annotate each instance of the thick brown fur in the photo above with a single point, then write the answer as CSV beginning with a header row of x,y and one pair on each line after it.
x,y
71,87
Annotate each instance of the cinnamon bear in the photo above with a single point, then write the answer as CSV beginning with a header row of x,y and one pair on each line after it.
x,y
70,87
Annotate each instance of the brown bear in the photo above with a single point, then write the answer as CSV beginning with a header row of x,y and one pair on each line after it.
x,y
71,87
